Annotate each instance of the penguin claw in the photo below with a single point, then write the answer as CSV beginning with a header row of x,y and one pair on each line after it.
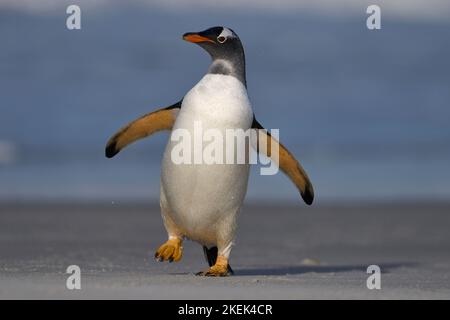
x,y
213,273
170,251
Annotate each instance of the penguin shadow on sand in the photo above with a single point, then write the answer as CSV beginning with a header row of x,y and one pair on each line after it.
x,y
303,269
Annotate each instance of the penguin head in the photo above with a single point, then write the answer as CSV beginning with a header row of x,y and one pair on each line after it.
x,y
219,42
225,49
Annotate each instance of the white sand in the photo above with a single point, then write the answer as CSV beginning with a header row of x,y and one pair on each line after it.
x,y
281,253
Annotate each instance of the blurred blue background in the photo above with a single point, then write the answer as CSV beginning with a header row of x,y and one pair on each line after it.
x,y
366,112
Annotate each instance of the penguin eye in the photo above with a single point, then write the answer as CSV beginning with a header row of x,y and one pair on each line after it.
x,y
221,39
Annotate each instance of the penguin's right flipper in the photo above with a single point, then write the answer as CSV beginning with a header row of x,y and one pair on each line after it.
x,y
162,119
287,163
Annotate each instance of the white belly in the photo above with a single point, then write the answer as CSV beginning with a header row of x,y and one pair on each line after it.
x,y
203,199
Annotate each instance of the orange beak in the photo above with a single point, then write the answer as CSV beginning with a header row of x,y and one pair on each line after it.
x,y
195,38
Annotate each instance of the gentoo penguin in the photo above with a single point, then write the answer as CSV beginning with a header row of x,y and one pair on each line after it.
x,y
201,201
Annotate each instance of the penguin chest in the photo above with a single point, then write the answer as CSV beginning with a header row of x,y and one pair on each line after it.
x,y
203,191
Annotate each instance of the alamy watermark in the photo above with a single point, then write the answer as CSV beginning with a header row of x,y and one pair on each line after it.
x,y
73,281
374,280
227,146
373,21
73,21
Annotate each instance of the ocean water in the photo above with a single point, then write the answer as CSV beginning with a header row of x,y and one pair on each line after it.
x,y
367,113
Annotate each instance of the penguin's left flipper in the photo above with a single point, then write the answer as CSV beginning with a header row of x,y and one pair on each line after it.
x,y
162,119
287,163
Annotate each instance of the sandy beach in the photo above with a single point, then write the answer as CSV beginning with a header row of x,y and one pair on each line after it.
x,y
281,252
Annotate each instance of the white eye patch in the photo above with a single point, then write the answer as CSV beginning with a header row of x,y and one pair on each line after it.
x,y
226,33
